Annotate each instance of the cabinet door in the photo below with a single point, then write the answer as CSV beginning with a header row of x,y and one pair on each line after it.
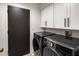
x,y
60,13
43,17
74,19
47,17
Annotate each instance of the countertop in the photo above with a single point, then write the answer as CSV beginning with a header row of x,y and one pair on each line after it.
x,y
43,34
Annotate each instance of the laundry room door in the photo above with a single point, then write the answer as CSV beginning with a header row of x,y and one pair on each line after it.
x,y
18,31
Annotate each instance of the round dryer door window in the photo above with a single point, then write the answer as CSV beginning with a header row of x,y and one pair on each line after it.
x,y
47,51
35,44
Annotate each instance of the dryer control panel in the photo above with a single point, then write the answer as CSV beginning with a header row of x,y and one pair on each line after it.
x,y
49,43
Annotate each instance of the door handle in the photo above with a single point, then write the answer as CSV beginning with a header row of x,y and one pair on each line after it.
x,y
2,50
64,22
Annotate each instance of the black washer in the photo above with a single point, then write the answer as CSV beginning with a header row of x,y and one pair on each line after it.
x,y
48,51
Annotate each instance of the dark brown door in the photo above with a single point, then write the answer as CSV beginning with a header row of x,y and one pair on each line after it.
x,y
18,31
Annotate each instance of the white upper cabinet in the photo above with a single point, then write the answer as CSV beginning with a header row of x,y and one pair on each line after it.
x,y
66,16
43,18
74,17
60,14
47,16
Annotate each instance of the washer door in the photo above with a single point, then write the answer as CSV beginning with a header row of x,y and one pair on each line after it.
x,y
48,51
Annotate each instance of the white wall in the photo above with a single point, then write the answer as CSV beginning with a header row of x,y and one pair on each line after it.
x,y
3,29
34,23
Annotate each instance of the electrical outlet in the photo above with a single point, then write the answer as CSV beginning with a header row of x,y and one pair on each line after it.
x,y
68,34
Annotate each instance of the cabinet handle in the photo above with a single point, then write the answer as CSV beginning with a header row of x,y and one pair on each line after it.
x,y
45,23
64,22
68,22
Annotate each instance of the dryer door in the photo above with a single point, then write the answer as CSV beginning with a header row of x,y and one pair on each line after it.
x,y
36,47
48,51
35,44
